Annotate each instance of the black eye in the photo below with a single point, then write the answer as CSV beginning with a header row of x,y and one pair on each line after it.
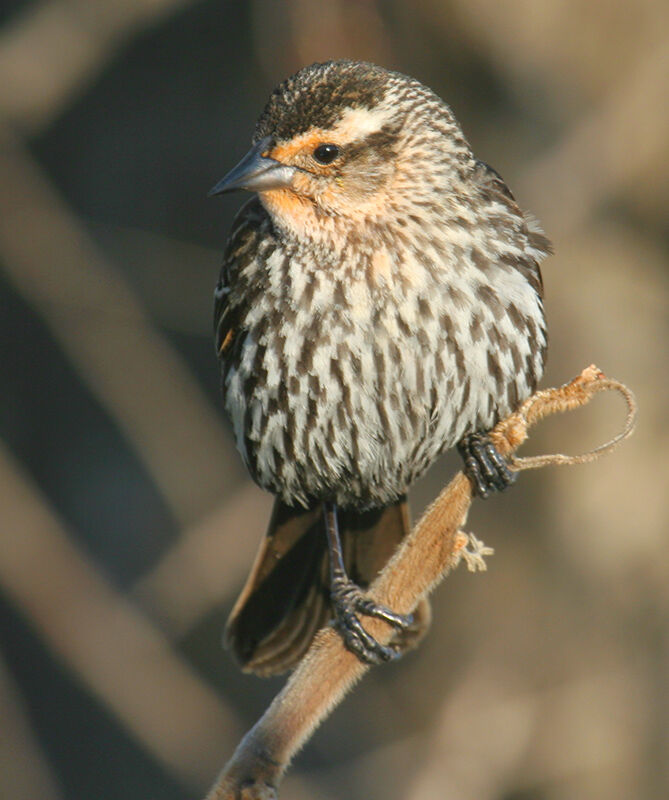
x,y
326,153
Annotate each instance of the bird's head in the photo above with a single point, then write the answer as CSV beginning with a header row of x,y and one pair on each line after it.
x,y
337,141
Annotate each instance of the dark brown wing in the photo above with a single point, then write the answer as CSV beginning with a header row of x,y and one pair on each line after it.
x,y
247,230
286,597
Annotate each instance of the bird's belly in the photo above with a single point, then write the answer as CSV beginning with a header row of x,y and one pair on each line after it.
x,y
341,430
356,416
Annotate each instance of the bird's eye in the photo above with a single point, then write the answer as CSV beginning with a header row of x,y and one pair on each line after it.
x,y
326,153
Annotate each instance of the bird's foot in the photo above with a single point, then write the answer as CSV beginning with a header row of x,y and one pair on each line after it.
x,y
484,466
348,601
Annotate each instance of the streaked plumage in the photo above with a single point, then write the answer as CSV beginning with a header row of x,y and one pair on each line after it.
x,y
379,309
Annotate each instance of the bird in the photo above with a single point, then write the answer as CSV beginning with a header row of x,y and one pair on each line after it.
x,y
380,301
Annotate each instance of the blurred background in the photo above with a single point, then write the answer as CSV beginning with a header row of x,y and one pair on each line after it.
x,y
127,522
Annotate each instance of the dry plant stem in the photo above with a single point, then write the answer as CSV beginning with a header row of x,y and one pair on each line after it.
x,y
328,670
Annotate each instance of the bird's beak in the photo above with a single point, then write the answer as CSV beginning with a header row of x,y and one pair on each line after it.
x,y
256,173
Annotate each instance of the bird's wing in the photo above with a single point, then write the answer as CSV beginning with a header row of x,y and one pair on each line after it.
x,y
536,244
488,177
241,248
485,175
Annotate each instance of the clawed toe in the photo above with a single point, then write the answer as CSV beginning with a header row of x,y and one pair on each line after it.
x,y
347,602
484,466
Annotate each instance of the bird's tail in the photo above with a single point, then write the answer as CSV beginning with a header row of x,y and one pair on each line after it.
x,y
286,598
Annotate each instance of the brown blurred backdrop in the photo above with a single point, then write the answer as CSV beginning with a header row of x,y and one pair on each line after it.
x,y
127,522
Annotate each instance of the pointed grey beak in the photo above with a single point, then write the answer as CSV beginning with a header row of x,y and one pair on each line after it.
x,y
256,173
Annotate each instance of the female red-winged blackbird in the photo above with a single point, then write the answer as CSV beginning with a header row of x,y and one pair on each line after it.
x,y
380,301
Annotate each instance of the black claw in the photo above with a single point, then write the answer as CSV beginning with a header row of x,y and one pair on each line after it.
x,y
347,599
371,609
484,466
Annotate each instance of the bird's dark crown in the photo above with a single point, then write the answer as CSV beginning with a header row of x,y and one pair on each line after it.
x,y
317,95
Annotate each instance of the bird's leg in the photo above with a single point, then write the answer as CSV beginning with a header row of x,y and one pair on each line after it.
x,y
348,600
484,466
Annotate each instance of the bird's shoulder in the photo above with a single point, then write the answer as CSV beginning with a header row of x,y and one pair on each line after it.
x,y
488,177
250,228
535,244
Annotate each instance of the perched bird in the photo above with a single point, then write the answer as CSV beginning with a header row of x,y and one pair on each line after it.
x,y
380,301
